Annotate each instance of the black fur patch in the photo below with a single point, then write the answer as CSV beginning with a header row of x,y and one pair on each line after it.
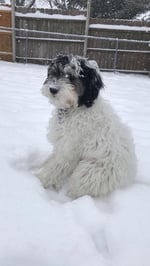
x,y
92,83
56,66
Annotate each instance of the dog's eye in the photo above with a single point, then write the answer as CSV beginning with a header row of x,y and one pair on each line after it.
x,y
54,80
73,67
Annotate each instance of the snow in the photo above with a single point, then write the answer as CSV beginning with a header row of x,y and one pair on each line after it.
x,y
38,14
144,16
119,27
43,4
7,2
5,8
39,3
45,228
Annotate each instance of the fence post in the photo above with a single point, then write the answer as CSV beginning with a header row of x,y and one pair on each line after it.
x,y
26,46
87,27
116,55
13,30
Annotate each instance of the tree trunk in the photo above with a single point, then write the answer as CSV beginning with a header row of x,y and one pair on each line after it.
x,y
32,2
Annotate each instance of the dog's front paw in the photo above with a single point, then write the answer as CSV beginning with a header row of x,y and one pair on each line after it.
x,y
44,179
74,192
78,186
47,180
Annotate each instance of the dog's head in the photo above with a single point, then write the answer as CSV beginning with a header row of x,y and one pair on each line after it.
x,y
72,81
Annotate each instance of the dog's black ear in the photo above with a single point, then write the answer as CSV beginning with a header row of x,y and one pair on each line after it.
x,y
91,80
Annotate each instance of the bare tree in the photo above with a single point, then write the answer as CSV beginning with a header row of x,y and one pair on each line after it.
x,y
30,4
26,3
20,2
62,4
50,3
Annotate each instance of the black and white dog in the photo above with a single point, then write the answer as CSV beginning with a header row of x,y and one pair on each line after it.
x,y
93,151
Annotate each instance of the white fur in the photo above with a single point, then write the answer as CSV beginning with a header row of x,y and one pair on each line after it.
x,y
66,98
93,151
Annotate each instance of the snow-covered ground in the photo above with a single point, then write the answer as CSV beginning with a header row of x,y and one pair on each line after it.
x,y
45,228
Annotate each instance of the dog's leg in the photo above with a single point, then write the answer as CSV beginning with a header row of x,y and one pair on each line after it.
x,y
95,178
54,171
84,180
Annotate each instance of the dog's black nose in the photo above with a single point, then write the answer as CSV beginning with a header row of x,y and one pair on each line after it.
x,y
53,90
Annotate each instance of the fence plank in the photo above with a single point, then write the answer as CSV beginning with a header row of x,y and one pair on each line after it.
x,y
5,36
5,18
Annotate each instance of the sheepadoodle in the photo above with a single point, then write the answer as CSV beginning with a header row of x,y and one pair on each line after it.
x,y
93,151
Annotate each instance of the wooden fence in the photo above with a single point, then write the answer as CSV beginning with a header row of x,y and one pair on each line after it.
x,y
115,47
5,36
124,49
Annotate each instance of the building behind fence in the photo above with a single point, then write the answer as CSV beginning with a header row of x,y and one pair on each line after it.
x,y
116,48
